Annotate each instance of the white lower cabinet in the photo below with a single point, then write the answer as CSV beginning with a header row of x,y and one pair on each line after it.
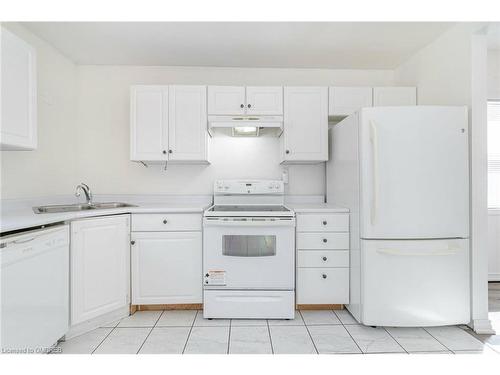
x,y
100,264
322,258
167,267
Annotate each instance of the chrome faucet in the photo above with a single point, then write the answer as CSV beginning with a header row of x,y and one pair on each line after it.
x,y
86,190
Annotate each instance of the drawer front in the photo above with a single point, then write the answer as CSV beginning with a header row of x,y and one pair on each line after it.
x,y
166,222
322,222
323,241
322,286
323,258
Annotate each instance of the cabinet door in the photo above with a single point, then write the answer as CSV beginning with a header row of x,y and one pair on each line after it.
x,y
100,264
305,135
149,123
394,96
166,268
226,100
345,100
19,112
187,123
264,100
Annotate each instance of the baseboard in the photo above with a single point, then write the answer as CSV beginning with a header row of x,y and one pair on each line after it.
x,y
482,327
89,325
319,307
179,306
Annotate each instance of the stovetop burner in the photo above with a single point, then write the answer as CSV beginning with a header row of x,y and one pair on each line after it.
x,y
248,208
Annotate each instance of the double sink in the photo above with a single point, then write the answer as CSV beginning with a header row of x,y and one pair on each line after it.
x,y
79,207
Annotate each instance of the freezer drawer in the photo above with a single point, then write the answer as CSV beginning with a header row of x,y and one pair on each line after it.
x,y
415,282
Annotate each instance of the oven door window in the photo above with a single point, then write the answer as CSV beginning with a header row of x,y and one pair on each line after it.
x,y
248,245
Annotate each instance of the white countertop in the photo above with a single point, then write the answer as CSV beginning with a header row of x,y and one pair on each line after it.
x,y
317,207
21,216
18,214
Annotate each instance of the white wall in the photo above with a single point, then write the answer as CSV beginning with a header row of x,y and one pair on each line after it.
x,y
51,168
103,131
493,74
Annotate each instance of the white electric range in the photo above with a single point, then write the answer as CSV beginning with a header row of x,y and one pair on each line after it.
x,y
249,252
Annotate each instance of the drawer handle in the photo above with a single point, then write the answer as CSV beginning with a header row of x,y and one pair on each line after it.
x,y
325,240
325,222
165,221
325,259
324,276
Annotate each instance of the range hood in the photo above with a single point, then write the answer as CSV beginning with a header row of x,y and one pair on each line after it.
x,y
246,125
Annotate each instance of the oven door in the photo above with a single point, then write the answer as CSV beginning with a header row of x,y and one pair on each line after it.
x,y
249,253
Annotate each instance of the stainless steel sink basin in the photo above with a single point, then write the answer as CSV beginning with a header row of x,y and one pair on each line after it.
x,y
78,207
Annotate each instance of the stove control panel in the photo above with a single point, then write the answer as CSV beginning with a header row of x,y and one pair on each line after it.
x,y
248,187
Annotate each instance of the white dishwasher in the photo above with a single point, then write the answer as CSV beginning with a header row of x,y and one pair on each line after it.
x,y
34,289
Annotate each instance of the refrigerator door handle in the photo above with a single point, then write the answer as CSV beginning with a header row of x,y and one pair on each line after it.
x,y
374,142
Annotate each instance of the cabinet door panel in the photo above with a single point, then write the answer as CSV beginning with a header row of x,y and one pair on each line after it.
x,y
264,100
394,96
149,123
100,263
187,123
344,101
305,135
226,100
19,112
166,268
322,286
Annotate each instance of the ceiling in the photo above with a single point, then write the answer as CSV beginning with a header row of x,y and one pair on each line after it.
x,y
340,45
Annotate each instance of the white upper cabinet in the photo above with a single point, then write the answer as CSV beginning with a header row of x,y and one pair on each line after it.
x,y
344,101
168,123
18,129
187,123
226,100
240,100
305,134
149,123
100,266
394,96
264,100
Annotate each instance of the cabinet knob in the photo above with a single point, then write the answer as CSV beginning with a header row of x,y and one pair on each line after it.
x,y
249,106
165,221
325,240
325,259
287,151
242,106
132,242
164,152
324,276
170,151
324,222
206,275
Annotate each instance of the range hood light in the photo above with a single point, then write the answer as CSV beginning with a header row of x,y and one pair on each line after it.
x,y
245,131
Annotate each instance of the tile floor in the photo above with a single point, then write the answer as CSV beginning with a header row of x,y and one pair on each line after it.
x,y
311,332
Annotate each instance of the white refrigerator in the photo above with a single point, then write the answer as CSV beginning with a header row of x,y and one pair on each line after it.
x,y
404,174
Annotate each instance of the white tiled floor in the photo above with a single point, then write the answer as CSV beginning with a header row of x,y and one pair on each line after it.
x,y
326,331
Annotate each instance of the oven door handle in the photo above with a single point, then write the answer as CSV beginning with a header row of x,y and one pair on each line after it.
x,y
249,223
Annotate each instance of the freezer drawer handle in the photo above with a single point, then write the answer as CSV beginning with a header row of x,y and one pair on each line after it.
x,y
451,250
